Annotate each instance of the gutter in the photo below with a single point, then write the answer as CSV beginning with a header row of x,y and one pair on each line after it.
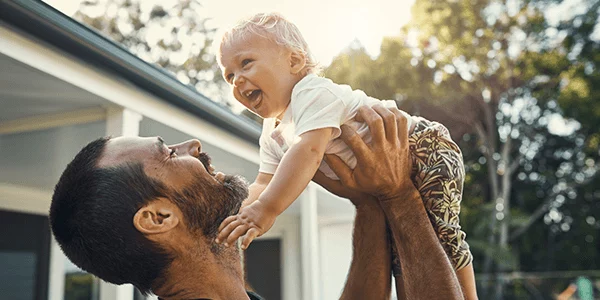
x,y
55,28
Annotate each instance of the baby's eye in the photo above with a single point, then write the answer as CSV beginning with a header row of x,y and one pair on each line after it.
x,y
245,62
173,153
229,77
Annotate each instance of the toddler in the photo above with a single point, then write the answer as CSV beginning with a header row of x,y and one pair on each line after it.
x,y
272,73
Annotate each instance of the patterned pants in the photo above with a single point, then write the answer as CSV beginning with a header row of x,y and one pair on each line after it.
x,y
438,173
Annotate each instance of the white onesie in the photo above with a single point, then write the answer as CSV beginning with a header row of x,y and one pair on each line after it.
x,y
316,103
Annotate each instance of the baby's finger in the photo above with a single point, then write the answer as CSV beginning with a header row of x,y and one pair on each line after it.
x,y
234,235
227,221
250,236
226,231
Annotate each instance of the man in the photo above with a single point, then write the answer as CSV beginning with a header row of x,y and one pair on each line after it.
x,y
134,210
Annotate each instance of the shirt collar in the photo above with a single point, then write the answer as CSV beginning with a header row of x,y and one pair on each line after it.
x,y
286,120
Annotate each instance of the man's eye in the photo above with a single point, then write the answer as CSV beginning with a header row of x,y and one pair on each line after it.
x,y
173,153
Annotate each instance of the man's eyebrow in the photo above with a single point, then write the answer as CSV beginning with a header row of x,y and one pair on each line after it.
x,y
160,144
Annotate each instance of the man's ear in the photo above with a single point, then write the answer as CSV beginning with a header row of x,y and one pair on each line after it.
x,y
158,216
297,62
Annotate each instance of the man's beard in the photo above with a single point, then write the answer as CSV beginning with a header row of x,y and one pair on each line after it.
x,y
206,204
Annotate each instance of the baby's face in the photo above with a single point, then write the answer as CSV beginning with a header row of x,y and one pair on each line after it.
x,y
261,74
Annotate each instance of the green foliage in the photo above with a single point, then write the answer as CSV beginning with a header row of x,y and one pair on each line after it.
x,y
500,75
79,286
173,35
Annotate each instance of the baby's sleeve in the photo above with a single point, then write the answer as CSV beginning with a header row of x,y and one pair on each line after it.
x,y
317,108
439,176
268,157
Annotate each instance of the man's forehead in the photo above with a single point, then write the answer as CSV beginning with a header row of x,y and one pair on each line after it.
x,y
128,149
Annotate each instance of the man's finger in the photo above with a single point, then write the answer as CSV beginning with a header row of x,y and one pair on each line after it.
x,y
403,129
355,142
250,236
334,186
389,122
375,123
340,168
234,235
224,233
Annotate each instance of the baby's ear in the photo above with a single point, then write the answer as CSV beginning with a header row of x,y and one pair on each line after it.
x,y
297,62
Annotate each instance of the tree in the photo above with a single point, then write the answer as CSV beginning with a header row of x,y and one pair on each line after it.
x,y
500,75
174,35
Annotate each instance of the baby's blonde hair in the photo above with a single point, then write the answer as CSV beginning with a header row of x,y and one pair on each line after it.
x,y
276,28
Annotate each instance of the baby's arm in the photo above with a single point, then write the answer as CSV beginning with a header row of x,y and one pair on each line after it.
x,y
256,188
293,174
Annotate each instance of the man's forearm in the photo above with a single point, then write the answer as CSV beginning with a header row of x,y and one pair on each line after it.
x,y
370,271
426,270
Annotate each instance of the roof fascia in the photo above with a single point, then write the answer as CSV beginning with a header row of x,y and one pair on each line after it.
x,y
48,24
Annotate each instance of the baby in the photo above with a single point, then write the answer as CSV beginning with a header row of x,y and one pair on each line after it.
x,y
272,72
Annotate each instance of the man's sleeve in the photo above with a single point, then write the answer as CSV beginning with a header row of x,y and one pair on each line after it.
x,y
439,176
317,108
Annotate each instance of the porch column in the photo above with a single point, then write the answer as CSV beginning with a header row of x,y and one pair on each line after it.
x,y
309,234
56,278
120,122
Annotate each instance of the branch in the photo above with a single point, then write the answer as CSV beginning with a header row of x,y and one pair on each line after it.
x,y
516,163
484,140
542,209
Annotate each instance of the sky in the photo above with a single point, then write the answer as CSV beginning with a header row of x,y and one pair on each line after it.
x,y
328,26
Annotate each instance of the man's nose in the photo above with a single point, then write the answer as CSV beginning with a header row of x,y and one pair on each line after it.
x,y
191,147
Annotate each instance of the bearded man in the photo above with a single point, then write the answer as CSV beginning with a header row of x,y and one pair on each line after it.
x,y
135,210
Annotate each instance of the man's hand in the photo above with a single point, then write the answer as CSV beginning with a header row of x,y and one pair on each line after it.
x,y
335,187
252,221
383,167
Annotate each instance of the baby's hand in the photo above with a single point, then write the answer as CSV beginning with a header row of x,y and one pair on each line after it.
x,y
253,221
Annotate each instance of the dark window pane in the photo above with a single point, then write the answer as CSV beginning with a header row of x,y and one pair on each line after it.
x,y
263,267
24,256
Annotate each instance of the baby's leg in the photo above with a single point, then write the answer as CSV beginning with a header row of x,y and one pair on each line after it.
x,y
438,174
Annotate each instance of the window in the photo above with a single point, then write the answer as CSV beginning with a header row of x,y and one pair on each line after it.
x,y
24,256
263,268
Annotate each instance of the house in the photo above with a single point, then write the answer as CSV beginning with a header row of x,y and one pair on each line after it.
x,y
63,85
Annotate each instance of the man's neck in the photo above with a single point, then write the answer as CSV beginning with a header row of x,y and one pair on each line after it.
x,y
205,276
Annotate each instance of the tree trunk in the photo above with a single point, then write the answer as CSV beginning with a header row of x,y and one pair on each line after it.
x,y
503,203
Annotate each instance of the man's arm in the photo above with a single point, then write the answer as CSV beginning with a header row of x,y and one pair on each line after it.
x,y
413,233
426,270
370,269
369,274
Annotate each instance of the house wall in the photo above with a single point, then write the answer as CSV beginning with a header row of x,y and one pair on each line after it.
x,y
336,254
37,158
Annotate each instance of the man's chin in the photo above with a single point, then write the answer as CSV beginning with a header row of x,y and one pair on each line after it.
x,y
236,186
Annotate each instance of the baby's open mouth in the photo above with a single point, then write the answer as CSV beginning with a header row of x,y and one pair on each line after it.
x,y
254,96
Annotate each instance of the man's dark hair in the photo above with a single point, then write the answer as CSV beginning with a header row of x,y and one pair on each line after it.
x,y
92,219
